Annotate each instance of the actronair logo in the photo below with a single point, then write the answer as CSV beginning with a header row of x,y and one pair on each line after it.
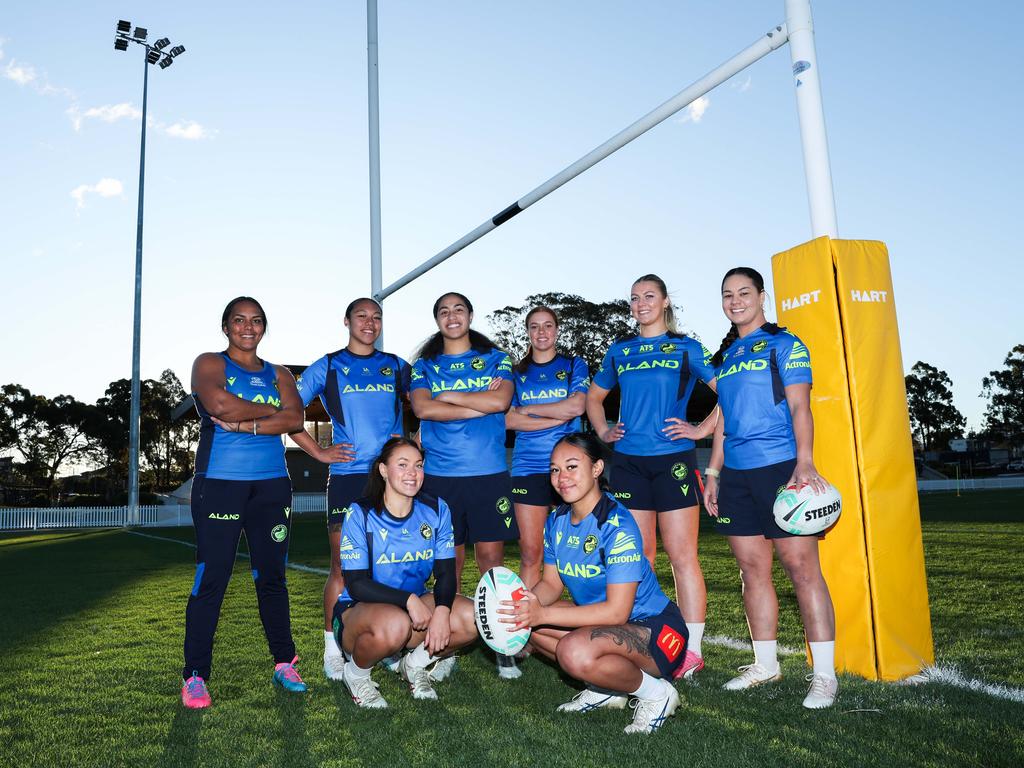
x,y
877,297
811,297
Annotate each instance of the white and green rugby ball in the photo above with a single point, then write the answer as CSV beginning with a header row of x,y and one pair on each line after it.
x,y
496,585
803,512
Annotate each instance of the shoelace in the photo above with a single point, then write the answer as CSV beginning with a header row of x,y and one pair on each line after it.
x,y
289,673
195,686
366,690
644,716
819,685
421,680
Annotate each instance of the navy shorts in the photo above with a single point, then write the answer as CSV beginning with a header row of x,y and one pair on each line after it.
x,y
746,498
535,489
661,483
342,490
336,621
481,506
669,638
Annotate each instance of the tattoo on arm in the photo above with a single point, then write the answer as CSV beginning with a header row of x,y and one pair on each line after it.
x,y
632,637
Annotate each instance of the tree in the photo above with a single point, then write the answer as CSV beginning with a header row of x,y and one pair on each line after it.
x,y
930,401
1004,390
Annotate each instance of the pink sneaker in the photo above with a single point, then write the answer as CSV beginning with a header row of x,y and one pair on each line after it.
x,y
288,678
194,694
692,664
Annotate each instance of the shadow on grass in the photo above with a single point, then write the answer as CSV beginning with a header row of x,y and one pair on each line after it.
x,y
181,747
291,713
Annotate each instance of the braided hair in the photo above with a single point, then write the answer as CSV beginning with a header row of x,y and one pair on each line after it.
x,y
734,332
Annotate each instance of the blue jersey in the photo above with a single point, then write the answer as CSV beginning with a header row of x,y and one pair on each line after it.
x,y
464,447
656,377
224,455
543,383
399,552
752,383
593,554
363,396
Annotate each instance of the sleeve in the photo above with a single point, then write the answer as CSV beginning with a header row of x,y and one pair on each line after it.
x,y
549,532
516,402
354,552
418,376
504,368
310,382
580,377
444,582
364,589
623,552
794,360
444,536
404,376
700,362
606,377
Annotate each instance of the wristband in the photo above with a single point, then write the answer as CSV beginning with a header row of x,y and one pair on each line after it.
x,y
712,472
254,426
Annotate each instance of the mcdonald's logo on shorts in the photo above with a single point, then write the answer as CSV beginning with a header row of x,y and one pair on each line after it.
x,y
670,642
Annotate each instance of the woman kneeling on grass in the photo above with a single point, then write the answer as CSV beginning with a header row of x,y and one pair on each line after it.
x,y
391,540
621,636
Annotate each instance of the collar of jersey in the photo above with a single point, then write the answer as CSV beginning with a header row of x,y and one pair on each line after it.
x,y
350,353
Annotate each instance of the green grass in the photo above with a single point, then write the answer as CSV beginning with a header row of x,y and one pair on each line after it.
x,y
92,636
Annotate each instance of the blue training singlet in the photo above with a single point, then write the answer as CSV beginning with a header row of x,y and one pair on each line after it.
x,y
656,377
398,552
363,396
593,554
544,383
752,381
224,455
465,447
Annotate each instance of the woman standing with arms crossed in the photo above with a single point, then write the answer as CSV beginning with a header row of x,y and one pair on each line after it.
x,y
461,388
361,389
652,470
765,440
241,483
551,393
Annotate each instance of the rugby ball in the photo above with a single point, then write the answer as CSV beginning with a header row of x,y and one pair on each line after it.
x,y
496,585
803,512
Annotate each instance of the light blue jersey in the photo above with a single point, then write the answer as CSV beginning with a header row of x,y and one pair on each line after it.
x,y
604,548
540,384
363,396
224,455
752,381
399,552
656,377
465,447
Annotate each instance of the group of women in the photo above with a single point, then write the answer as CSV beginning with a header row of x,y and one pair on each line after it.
x,y
401,511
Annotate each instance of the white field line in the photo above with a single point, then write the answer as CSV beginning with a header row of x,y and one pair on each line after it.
x,y
945,675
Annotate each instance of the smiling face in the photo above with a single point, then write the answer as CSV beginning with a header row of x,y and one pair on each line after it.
x,y
364,323
245,326
742,302
543,331
647,304
573,474
403,471
453,317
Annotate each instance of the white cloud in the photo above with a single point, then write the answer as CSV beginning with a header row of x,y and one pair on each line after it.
x,y
695,112
22,74
103,188
112,112
187,129
742,87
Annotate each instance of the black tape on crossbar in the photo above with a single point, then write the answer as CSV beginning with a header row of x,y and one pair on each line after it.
x,y
507,214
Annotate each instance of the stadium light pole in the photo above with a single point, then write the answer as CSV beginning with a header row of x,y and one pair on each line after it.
x,y
373,111
155,54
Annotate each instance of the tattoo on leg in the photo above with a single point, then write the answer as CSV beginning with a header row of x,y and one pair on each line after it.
x,y
633,638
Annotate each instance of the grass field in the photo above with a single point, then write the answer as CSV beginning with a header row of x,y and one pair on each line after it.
x,y
92,631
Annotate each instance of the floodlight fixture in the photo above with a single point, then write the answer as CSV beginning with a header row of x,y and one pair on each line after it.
x,y
140,33
166,62
124,26
153,56
162,43
120,44
177,50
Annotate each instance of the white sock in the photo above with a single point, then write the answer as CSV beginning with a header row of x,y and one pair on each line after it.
x,y
330,645
823,656
419,657
354,670
650,687
696,635
766,653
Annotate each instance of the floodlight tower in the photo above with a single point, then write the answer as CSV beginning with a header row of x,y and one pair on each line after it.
x,y
155,54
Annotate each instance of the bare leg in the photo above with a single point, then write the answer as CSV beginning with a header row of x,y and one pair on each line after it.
x,y
761,604
530,519
799,558
679,537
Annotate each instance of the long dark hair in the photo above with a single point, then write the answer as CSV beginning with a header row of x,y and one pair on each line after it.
x,y
434,345
734,333
590,445
238,300
523,364
375,483
669,315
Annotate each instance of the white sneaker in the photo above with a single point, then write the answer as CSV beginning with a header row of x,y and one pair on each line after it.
x,y
507,669
588,700
650,714
822,692
751,675
364,690
442,669
418,679
334,666
390,663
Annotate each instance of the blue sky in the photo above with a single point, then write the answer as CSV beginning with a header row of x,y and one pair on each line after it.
x,y
256,176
